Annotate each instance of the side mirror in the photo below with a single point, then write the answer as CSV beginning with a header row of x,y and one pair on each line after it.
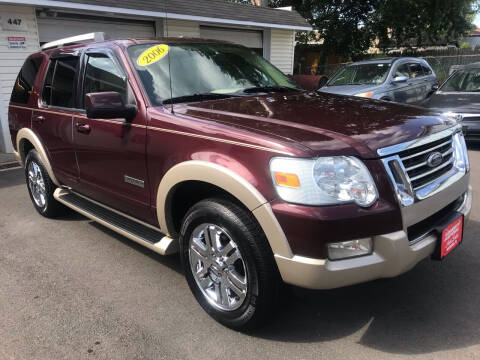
x,y
435,87
322,82
108,105
399,79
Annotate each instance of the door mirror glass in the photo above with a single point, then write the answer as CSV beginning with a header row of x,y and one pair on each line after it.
x,y
108,105
400,79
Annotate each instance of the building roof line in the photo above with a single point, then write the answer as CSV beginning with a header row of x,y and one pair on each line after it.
x,y
152,14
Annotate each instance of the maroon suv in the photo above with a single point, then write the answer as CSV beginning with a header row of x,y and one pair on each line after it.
x,y
205,148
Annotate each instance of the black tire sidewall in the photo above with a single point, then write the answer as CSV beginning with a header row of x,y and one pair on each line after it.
x,y
222,216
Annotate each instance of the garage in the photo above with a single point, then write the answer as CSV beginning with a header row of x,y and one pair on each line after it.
x,y
53,25
250,38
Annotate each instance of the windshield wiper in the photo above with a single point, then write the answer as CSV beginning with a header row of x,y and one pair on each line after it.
x,y
196,97
274,88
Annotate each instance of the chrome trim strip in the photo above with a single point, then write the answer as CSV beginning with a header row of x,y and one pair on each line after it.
x,y
433,170
426,151
389,150
448,152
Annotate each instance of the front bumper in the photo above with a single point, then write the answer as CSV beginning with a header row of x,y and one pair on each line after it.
x,y
393,253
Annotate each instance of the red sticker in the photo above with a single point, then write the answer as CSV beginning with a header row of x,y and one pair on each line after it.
x,y
451,236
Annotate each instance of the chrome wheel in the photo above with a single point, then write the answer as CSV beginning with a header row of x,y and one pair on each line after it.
x,y
36,184
218,267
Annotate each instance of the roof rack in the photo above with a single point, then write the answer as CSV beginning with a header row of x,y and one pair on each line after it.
x,y
96,36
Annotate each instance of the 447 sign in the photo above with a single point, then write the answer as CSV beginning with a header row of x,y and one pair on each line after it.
x,y
18,23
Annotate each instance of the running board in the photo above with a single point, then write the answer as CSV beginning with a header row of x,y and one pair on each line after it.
x,y
140,232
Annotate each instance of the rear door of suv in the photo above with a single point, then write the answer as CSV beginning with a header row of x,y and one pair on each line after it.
x,y
52,120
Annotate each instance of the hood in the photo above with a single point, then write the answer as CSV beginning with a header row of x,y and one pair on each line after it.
x,y
454,102
348,89
325,123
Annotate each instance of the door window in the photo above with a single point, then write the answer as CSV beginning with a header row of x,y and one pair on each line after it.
x,y
102,75
24,82
59,86
402,70
416,70
426,70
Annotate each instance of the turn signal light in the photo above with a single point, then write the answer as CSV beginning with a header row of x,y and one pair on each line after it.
x,y
367,94
285,179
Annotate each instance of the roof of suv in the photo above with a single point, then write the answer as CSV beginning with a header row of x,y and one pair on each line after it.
x,y
390,60
126,42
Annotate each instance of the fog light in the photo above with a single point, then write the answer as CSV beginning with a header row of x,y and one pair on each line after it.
x,y
349,249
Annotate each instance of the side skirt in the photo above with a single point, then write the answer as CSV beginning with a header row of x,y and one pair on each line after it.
x,y
135,230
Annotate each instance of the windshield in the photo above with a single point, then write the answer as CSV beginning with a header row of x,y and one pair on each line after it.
x,y
467,80
373,74
202,71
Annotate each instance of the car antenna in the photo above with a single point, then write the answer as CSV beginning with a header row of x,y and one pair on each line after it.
x,y
168,56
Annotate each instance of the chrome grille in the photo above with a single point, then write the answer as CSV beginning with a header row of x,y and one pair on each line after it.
x,y
421,168
419,172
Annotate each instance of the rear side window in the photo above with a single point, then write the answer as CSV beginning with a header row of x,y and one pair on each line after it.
x,y
24,82
416,70
59,85
426,70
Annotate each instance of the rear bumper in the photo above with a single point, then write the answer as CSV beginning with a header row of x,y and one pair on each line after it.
x,y
393,253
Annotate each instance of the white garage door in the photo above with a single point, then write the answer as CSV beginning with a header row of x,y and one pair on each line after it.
x,y
249,38
50,29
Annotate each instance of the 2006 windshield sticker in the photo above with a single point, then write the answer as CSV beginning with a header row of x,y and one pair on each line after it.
x,y
152,55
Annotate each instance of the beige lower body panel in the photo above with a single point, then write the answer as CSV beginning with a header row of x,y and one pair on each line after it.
x,y
392,256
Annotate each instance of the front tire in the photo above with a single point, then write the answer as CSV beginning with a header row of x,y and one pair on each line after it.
x,y
40,186
228,264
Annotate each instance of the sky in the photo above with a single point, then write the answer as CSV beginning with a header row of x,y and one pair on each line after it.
x,y
477,20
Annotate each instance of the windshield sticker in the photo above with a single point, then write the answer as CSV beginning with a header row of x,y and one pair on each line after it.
x,y
152,55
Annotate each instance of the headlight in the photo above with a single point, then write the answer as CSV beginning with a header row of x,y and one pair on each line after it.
x,y
462,162
367,94
323,181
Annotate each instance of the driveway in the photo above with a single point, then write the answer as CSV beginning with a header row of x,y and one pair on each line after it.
x,y
72,289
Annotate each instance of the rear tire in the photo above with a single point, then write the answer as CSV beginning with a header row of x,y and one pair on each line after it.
x,y
228,264
40,187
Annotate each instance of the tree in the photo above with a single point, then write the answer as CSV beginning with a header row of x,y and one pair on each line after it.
x,y
350,27
407,23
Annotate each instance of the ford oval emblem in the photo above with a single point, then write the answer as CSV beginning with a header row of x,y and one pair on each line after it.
x,y
434,159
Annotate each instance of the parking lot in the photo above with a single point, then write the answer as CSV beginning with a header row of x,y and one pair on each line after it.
x,y
71,289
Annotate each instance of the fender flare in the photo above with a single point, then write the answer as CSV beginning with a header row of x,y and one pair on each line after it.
x,y
28,134
232,183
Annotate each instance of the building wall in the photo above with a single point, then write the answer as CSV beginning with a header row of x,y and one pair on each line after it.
x,y
181,28
282,47
11,60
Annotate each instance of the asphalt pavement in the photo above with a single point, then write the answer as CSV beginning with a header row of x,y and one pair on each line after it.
x,y
72,289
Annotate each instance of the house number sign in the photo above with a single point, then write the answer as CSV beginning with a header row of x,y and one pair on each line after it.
x,y
14,23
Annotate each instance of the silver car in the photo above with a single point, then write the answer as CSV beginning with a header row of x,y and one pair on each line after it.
x,y
403,80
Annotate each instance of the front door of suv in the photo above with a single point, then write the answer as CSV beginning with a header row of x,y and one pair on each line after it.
x,y
111,152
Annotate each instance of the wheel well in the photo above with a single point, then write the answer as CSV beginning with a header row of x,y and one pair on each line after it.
x,y
24,148
184,195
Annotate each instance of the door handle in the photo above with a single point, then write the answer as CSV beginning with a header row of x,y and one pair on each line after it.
x,y
39,119
83,128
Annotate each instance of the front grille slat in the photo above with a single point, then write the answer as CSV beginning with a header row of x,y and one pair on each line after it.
x,y
415,162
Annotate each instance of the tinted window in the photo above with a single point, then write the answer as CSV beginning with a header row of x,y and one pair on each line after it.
x,y
415,70
467,80
24,82
375,73
47,85
63,83
426,70
102,74
402,70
